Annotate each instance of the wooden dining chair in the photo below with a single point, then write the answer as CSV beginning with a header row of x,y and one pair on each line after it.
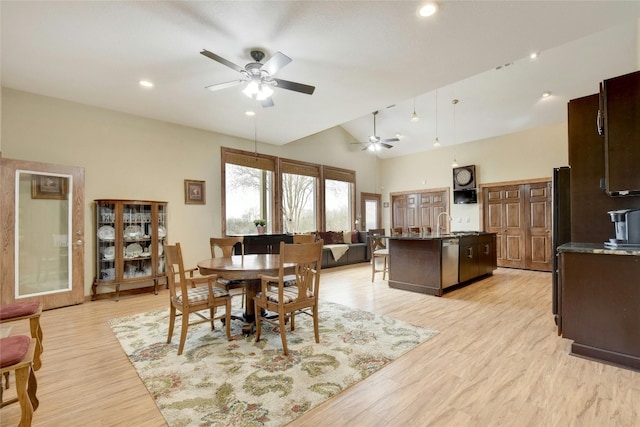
x,y
379,251
396,230
187,297
224,247
16,355
415,230
26,310
289,301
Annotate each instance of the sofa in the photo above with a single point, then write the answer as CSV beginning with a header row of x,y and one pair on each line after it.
x,y
344,248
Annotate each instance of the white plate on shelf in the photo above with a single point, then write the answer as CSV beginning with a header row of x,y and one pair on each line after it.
x,y
133,250
160,248
133,231
162,232
106,232
109,252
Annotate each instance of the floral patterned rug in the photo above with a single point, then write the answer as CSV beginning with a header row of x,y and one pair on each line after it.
x,y
216,382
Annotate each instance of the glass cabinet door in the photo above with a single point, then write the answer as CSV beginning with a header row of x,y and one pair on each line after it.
x,y
136,224
162,235
106,241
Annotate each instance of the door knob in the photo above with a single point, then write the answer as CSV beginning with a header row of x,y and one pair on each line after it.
x,y
79,242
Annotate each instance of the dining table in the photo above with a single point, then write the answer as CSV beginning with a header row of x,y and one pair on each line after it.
x,y
248,268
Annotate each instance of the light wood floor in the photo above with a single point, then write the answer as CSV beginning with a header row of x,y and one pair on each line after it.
x,y
496,361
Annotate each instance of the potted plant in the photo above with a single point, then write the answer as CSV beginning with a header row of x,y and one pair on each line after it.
x,y
260,224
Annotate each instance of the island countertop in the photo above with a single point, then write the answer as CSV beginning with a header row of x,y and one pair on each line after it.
x,y
435,236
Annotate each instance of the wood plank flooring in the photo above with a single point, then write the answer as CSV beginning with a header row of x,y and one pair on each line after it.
x,y
496,361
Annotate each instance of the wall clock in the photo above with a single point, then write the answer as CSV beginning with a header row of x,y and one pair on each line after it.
x,y
464,177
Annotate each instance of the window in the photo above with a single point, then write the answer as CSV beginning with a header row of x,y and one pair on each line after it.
x,y
339,202
291,196
248,192
299,183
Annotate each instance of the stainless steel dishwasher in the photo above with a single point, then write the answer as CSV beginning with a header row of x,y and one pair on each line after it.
x,y
450,255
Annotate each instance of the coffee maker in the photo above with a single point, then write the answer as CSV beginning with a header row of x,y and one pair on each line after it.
x,y
627,225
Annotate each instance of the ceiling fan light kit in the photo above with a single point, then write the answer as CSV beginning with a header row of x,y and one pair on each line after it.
x,y
259,77
376,143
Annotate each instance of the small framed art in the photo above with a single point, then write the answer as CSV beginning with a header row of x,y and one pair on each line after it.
x,y
48,187
194,192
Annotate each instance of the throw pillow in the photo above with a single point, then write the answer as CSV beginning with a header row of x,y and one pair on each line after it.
x,y
325,236
337,237
346,235
355,237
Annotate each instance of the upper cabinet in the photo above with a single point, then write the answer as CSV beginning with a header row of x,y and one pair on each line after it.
x,y
619,122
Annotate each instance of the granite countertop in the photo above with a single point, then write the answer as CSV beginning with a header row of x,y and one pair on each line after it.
x,y
435,236
597,248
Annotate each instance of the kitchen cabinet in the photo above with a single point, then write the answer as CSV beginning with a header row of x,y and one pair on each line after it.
x,y
418,264
600,297
619,123
477,256
129,246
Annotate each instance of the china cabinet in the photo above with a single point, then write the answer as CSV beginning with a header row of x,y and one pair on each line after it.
x,y
130,236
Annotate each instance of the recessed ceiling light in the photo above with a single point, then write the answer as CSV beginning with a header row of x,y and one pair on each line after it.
x,y
145,83
546,94
250,113
428,9
534,55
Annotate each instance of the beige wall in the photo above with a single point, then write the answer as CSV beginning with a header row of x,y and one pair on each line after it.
x,y
129,157
524,155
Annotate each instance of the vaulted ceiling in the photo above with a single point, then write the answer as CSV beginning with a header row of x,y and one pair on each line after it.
x,y
360,55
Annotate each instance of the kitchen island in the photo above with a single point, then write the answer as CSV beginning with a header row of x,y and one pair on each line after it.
x,y
431,263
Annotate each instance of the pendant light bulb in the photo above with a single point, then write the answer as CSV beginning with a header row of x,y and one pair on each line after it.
x,y
414,116
454,164
436,143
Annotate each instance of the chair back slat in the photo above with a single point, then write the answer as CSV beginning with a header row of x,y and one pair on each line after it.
x,y
225,245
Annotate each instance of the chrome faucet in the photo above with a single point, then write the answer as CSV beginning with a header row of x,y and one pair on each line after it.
x,y
438,221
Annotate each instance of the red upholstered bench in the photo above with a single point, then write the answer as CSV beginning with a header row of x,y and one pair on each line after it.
x,y
26,310
16,354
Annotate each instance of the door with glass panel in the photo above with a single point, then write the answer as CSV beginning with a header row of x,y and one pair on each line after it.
x,y
371,211
43,233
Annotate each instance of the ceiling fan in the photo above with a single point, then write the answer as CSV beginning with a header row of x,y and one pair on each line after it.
x,y
375,143
259,77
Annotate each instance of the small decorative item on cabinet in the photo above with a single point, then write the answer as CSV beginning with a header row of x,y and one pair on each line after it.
x,y
260,225
130,239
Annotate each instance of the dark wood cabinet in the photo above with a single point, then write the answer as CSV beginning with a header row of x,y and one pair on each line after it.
x,y
477,256
265,243
600,299
619,107
589,202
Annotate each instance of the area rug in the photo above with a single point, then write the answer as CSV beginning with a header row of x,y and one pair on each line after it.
x,y
216,382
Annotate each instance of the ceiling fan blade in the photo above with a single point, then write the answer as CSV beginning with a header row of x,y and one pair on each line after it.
x,y
221,60
297,87
385,145
277,61
225,85
267,103
391,140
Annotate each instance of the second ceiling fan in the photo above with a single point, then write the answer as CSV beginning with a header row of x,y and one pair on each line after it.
x,y
375,143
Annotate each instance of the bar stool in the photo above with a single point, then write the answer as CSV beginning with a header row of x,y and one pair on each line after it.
x,y
26,310
16,354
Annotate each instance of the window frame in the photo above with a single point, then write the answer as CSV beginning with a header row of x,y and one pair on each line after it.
x,y
279,165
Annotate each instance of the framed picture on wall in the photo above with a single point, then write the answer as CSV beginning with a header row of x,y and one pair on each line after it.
x,y
48,187
194,192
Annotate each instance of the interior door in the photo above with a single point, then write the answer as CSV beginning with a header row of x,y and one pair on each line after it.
x,y
43,233
371,216
538,252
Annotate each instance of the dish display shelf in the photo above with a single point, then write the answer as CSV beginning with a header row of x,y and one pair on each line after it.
x,y
130,236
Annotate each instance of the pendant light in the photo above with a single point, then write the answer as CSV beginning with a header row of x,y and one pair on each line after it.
x,y
436,143
454,164
414,116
